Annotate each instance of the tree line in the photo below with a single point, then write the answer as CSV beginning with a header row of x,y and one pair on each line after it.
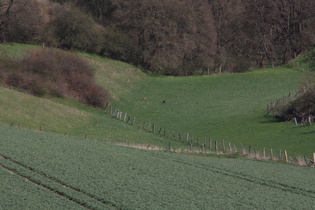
x,y
170,37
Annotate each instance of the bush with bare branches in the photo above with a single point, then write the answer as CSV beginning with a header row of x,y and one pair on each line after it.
x,y
56,73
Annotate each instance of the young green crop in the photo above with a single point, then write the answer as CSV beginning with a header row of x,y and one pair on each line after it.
x,y
131,178
17,193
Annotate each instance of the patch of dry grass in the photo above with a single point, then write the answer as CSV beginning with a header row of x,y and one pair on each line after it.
x,y
32,112
117,77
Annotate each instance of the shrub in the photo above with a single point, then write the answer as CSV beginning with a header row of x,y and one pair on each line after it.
x,y
95,96
56,73
303,106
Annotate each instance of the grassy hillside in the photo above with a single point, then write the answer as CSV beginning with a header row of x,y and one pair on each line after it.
x,y
69,117
117,77
65,116
229,107
96,175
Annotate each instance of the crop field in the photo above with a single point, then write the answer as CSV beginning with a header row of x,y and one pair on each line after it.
x,y
17,193
92,174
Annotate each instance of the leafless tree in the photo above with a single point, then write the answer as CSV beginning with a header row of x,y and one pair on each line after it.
x,y
21,20
169,35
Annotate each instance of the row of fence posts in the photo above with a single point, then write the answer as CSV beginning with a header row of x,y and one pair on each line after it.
x,y
207,145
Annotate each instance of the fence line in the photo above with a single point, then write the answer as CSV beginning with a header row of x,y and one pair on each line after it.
x,y
205,148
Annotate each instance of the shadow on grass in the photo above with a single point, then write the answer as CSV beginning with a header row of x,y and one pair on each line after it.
x,y
309,132
270,119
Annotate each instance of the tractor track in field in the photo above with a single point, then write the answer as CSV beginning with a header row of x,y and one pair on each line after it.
x,y
245,177
55,181
43,186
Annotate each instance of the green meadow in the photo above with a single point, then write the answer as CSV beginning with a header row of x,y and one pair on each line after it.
x,y
229,107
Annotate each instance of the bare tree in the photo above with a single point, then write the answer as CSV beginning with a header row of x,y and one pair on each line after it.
x,y
229,22
277,31
168,36
5,9
21,20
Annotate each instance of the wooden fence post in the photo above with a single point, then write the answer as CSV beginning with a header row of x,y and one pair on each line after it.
x,y
203,147
125,118
223,145
216,147
230,148
210,143
264,153
271,154
286,156
187,137
242,150
295,121
314,159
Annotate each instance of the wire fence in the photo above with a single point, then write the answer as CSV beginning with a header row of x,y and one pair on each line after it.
x,y
206,146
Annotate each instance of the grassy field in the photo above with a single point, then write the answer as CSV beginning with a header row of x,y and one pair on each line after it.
x,y
97,175
229,106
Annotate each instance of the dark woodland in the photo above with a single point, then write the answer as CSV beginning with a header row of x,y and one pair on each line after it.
x,y
169,37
